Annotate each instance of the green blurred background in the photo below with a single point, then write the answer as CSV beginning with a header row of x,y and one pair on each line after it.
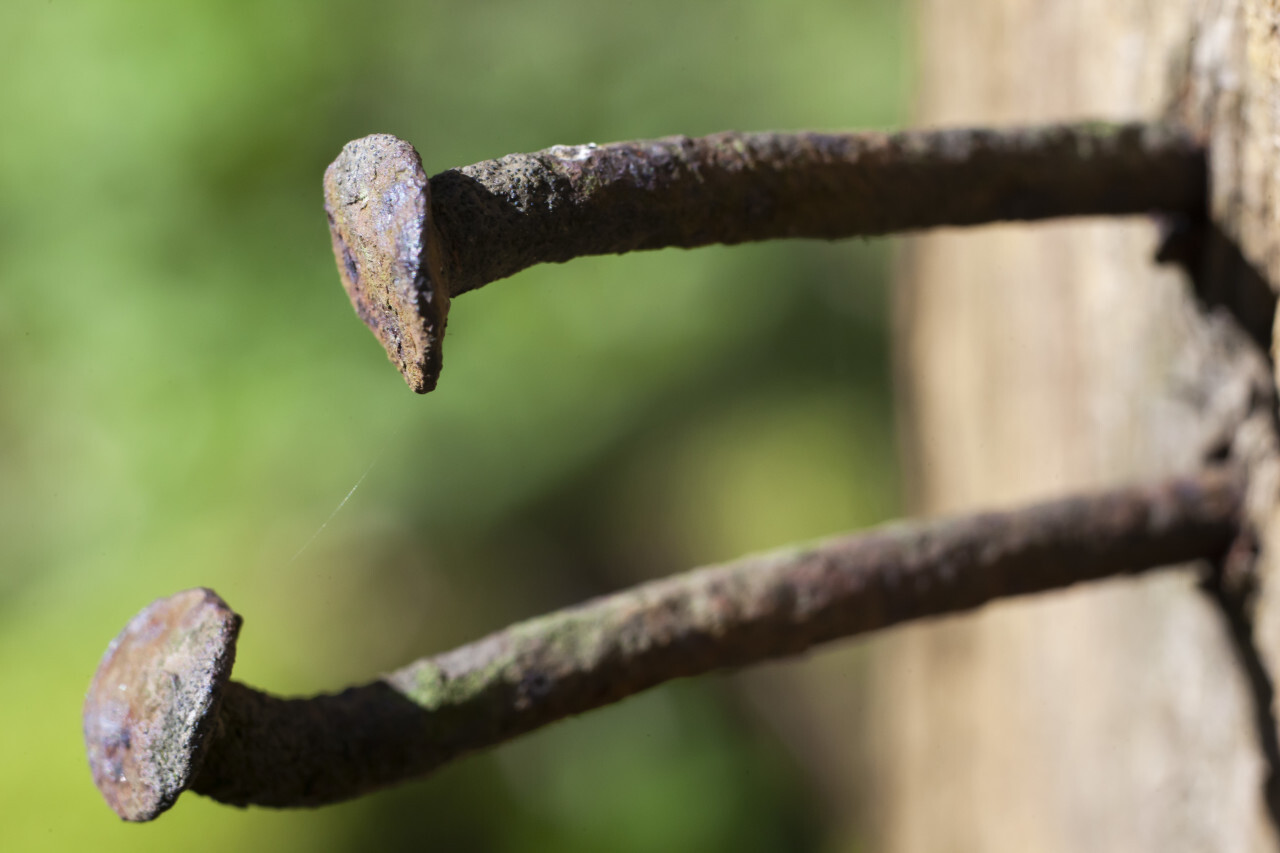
x,y
187,396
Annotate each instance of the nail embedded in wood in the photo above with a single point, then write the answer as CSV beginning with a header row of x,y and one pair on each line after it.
x,y
161,714
406,245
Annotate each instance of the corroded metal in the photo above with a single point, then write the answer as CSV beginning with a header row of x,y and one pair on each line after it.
x,y
377,199
153,702
405,245
159,690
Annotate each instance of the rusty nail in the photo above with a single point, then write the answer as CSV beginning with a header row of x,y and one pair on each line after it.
x,y
406,245
162,715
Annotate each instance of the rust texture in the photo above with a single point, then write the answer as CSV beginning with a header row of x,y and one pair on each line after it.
x,y
154,699
501,216
377,198
307,752
492,219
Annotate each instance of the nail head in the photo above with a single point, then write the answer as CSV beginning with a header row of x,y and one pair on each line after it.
x,y
152,704
378,201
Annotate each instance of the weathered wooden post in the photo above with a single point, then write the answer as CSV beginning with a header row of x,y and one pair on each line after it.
x,y
1135,714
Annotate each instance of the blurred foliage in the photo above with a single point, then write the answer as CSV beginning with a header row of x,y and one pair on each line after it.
x,y
187,396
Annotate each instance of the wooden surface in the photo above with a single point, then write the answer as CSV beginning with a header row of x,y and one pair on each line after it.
x,y
1042,358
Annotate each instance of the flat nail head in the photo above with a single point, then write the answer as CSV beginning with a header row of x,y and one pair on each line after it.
x,y
152,703
378,201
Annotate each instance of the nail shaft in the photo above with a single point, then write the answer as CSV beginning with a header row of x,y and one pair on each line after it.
x,y
501,216
306,752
